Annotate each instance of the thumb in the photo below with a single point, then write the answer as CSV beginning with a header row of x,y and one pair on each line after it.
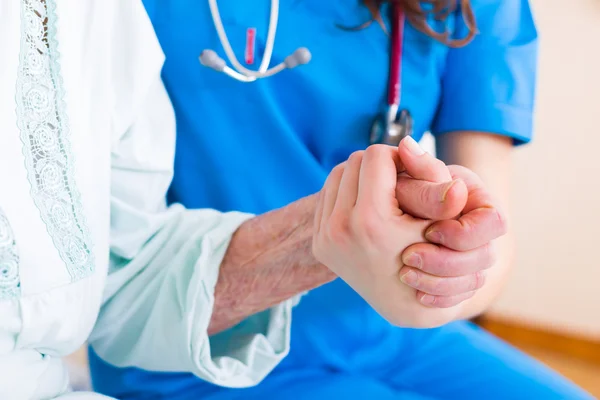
x,y
420,164
429,200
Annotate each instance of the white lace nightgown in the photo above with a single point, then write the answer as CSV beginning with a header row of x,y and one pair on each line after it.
x,y
87,245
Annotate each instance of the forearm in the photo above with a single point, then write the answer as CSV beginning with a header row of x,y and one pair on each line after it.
x,y
269,260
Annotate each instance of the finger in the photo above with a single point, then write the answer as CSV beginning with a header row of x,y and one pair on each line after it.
x,y
481,222
377,180
470,231
441,286
428,200
479,197
420,164
441,261
348,190
443,301
331,187
411,229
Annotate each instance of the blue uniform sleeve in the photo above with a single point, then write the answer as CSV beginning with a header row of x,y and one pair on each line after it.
x,y
489,84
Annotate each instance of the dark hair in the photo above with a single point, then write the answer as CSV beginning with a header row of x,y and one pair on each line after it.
x,y
440,9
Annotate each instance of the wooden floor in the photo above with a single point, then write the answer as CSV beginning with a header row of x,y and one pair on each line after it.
x,y
575,357
584,373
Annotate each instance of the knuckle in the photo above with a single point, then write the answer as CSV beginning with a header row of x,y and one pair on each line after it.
x,y
334,177
376,150
356,157
458,171
462,240
438,264
461,243
425,196
436,286
450,264
437,164
431,262
338,170
438,168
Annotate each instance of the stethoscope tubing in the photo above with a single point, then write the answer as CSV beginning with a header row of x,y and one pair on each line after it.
x,y
396,51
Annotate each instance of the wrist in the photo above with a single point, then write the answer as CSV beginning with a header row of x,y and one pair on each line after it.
x,y
273,254
298,243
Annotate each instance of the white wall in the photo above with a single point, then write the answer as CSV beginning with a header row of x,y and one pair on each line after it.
x,y
556,212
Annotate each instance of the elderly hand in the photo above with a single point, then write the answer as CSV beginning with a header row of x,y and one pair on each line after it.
x,y
451,268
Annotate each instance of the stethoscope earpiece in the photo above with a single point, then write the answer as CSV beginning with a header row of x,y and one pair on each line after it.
x,y
209,58
299,57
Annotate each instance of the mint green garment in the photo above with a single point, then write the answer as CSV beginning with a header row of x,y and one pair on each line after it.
x,y
86,157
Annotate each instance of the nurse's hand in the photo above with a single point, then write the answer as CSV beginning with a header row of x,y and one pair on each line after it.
x,y
360,230
451,268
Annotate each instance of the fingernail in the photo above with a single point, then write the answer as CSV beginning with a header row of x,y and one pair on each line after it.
x,y
409,278
412,260
446,190
413,146
428,300
434,236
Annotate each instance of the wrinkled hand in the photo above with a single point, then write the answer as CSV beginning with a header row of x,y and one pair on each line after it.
x,y
451,268
360,231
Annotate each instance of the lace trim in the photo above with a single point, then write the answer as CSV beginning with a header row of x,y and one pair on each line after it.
x,y
10,282
46,140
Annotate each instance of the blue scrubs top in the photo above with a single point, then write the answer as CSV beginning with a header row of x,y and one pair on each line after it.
x,y
258,146
254,147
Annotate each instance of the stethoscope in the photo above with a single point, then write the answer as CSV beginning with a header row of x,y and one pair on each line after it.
x,y
388,128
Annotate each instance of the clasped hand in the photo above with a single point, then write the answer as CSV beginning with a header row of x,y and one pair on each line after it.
x,y
411,235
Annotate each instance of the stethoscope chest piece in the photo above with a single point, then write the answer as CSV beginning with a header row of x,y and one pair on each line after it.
x,y
391,130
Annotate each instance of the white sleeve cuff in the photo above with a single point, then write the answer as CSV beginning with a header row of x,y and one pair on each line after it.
x,y
159,306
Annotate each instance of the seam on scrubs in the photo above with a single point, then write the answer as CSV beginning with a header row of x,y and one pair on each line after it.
x,y
10,281
46,142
